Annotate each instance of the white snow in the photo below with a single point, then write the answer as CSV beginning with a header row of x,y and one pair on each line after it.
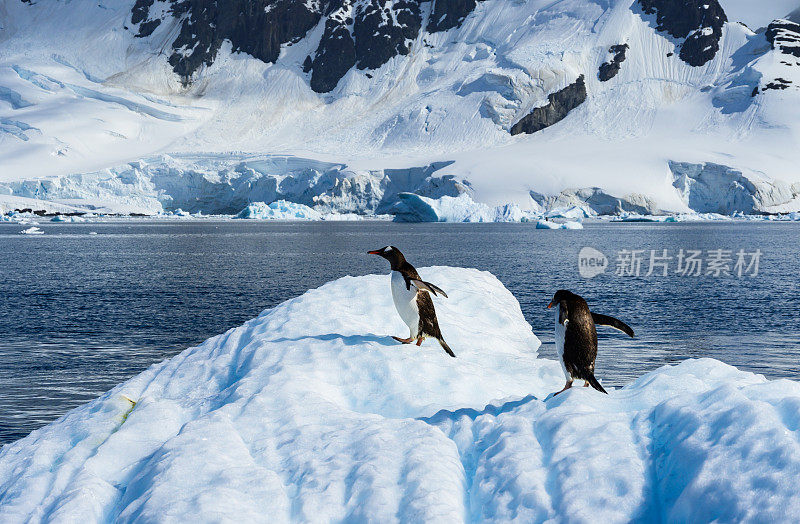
x,y
452,100
310,412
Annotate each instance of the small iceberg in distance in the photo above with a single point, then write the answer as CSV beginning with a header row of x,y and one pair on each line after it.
x,y
278,210
32,231
549,224
67,218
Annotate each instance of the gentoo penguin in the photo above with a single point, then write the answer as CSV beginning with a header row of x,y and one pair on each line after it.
x,y
412,299
576,337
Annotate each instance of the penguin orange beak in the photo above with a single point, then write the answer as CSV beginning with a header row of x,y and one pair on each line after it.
x,y
376,252
551,304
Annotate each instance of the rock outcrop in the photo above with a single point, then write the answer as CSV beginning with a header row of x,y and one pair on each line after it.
x,y
362,34
559,104
697,24
609,70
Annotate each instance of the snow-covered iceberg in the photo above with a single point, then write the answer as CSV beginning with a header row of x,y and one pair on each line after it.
x,y
549,224
67,218
279,210
310,412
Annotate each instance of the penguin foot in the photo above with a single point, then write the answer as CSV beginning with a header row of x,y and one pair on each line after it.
x,y
566,387
403,340
419,341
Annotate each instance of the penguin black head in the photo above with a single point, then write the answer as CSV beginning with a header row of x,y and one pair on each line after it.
x,y
562,295
390,253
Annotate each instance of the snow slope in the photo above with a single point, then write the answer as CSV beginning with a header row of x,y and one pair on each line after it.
x,y
310,413
81,94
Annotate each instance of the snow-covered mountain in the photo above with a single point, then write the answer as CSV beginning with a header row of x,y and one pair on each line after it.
x,y
310,413
641,105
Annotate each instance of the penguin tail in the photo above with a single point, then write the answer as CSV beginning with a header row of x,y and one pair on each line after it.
x,y
446,347
594,383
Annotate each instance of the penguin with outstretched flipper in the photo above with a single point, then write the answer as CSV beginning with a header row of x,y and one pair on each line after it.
x,y
576,337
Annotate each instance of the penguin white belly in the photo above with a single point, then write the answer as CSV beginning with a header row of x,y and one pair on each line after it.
x,y
561,332
405,301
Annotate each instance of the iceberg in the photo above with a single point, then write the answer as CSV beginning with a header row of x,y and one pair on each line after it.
x,y
312,413
637,217
67,218
278,210
32,231
549,224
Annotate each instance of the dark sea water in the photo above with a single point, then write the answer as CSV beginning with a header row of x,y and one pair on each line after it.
x,y
80,313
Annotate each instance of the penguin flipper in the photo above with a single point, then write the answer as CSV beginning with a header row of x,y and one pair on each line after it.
x,y
594,383
605,320
427,286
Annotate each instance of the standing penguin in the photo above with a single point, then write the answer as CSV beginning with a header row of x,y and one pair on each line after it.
x,y
576,337
412,299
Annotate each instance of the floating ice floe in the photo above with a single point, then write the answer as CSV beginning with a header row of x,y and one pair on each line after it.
x,y
549,224
787,217
32,231
18,218
637,217
312,413
278,210
67,218
349,217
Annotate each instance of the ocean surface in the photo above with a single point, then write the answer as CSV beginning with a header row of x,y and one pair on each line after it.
x,y
82,312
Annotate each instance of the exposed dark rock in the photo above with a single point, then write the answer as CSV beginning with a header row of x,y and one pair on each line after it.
x,y
609,70
336,54
147,28
697,22
380,36
256,27
140,11
364,34
784,35
447,14
140,15
559,104
778,83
